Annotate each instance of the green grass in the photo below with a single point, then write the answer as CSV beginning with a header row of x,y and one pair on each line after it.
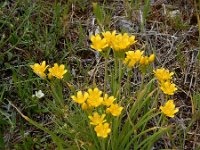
x,y
59,32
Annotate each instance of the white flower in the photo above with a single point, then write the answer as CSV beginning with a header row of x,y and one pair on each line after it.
x,y
38,94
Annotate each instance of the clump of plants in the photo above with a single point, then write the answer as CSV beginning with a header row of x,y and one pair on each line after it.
x,y
115,116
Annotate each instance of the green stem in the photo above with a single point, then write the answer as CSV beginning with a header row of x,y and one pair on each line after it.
x,y
160,120
142,80
128,85
115,132
56,89
106,74
155,103
167,97
119,78
115,82
103,144
163,121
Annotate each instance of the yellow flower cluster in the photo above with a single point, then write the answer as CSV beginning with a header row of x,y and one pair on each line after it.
x,y
118,42
39,69
164,78
101,126
145,60
169,108
97,119
168,87
98,43
163,74
56,71
102,130
122,42
93,99
133,57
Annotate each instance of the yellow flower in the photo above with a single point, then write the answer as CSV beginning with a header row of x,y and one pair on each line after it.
x,y
102,130
94,98
131,39
133,57
98,43
50,76
122,42
144,60
39,69
109,36
163,74
151,58
97,119
84,106
114,109
169,109
57,71
80,98
108,100
168,88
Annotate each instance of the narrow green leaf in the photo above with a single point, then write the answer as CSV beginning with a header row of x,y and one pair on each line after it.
x,y
151,139
98,13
